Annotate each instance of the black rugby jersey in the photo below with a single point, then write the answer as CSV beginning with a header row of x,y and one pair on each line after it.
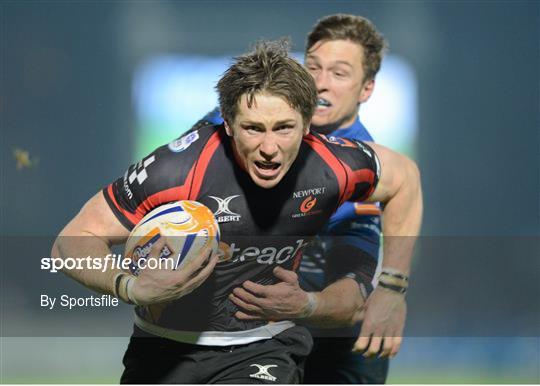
x,y
262,227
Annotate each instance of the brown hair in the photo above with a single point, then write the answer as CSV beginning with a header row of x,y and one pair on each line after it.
x,y
268,68
358,30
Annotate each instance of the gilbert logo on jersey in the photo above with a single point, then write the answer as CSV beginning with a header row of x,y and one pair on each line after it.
x,y
223,213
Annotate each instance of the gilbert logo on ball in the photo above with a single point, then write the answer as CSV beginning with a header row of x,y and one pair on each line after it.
x,y
189,227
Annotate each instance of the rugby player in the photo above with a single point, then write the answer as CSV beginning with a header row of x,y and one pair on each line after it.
x,y
185,325
343,53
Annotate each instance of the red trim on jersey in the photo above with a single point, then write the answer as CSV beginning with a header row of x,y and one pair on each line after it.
x,y
202,164
133,218
296,260
188,191
357,177
331,160
347,178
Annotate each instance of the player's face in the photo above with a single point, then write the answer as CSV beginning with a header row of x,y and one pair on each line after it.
x,y
266,138
337,68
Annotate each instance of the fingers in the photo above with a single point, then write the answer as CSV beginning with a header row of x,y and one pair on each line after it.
x,y
246,296
362,342
152,261
202,257
285,275
245,305
243,316
388,343
192,268
374,346
396,346
370,340
155,251
199,277
257,289
384,346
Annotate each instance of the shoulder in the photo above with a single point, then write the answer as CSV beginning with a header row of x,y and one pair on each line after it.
x,y
342,149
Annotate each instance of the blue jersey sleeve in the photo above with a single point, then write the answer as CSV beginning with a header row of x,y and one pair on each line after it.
x,y
214,117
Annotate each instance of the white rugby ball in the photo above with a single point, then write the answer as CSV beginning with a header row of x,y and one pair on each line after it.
x,y
189,227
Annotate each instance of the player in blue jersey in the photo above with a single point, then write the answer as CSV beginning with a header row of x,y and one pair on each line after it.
x,y
343,54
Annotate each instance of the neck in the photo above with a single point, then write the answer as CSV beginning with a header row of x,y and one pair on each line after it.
x,y
342,124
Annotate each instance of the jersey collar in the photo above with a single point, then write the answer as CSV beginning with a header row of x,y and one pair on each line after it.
x,y
356,131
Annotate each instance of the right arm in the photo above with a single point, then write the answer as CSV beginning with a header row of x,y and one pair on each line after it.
x,y
91,232
106,219
94,230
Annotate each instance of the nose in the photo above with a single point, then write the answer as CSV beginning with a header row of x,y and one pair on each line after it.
x,y
268,148
321,80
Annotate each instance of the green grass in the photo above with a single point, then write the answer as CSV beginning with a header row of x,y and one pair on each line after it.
x,y
413,378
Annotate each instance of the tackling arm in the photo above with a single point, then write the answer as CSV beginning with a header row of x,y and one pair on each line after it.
x,y
400,190
385,310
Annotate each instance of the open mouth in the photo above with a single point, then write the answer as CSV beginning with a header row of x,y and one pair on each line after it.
x,y
267,165
267,169
321,102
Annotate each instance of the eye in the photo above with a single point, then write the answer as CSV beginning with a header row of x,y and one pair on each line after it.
x,y
340,74
252,129
285,129
312,67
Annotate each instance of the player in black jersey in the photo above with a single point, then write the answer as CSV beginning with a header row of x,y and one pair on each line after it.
x,y
257,162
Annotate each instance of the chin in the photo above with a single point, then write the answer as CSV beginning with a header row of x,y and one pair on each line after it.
x,y
266,184
321,121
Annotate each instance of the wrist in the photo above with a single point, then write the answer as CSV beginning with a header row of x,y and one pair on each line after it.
x,y
311,305
123,287
392,288
394,280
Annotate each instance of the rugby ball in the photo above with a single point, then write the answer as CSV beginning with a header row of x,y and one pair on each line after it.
x,y
189,227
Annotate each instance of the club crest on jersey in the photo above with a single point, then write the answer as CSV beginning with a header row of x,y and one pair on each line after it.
x,y
183,143
309,201
306,207
223,213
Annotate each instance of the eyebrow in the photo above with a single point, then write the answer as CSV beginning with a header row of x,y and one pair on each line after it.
x,y
256,123
316,58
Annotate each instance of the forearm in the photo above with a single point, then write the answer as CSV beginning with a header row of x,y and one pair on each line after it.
x,y
337,305
82,247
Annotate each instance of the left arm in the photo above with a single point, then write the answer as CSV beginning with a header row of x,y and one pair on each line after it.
x,y
399,188
336,305
385,310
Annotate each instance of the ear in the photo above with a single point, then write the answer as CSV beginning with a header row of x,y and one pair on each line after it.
x,y
228,129
306,129
367,90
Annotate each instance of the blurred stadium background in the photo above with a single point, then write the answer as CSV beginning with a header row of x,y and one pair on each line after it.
x,y
88,87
